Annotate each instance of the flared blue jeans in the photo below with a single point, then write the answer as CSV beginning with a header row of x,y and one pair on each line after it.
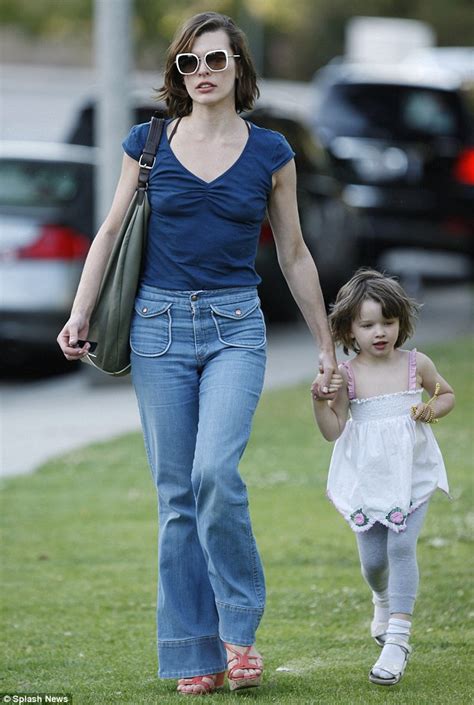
x,y
198,363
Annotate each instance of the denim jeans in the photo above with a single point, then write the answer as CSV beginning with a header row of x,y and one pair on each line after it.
x,y
198,363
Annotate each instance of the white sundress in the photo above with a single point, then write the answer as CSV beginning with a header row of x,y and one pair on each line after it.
x,y
384,465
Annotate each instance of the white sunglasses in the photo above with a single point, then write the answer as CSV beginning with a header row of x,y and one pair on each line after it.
x,y
217,60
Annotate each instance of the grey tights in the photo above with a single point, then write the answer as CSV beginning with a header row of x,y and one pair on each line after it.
x,y
388,560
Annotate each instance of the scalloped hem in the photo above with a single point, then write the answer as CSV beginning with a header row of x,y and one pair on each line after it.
x,y
396,528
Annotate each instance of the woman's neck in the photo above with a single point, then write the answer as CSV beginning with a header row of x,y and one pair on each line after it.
x,y
212,121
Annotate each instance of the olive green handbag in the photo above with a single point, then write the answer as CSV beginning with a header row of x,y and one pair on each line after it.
x,y
109,325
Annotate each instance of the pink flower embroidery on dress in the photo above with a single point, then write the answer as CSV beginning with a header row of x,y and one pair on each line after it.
x,y
396,516
359,518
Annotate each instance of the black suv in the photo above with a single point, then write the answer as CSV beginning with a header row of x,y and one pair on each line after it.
x,y
401,147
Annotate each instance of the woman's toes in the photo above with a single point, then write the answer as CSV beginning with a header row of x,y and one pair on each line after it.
x,y
189,686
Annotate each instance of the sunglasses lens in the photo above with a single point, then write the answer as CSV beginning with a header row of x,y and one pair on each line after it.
x,y
187,63
216,60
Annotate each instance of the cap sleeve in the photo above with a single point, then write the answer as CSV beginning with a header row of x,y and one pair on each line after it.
x,y
412,369
350,379
134,143
282,153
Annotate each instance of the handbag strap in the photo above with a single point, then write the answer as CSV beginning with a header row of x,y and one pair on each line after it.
x,y
148,156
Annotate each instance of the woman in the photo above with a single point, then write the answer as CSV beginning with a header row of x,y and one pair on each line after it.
x,y
198,342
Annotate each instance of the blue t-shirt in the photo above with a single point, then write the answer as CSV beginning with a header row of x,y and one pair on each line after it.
x,y
205,235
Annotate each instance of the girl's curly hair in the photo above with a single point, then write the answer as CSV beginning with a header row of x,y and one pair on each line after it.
x,y
174,92
371,284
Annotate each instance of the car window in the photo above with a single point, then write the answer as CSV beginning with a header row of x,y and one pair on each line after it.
x,y
428,112
30,183
404,112
83,129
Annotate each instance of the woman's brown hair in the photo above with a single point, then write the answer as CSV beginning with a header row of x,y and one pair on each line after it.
x,y
173,91
370,284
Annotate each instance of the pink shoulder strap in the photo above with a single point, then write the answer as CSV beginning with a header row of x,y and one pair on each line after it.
x,y
350,379
412,369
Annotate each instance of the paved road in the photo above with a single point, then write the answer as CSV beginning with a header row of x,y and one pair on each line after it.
x,y
43,419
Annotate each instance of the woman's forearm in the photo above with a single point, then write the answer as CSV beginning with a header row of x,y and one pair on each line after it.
x,y
302,277
103,243
92,273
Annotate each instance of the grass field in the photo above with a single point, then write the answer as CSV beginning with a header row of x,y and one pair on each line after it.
x,y
79,571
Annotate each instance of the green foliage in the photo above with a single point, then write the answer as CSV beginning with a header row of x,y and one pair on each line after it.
x,y
47,18
79,567
299,36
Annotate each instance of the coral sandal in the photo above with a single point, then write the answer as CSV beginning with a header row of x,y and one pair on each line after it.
x,y
206,684
243,661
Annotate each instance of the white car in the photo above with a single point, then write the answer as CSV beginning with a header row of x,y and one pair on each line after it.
x,y
46,227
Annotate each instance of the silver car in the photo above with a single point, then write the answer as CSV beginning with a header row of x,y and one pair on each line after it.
x,y
46,227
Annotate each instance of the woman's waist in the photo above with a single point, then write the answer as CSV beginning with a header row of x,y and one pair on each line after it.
x,y
224,295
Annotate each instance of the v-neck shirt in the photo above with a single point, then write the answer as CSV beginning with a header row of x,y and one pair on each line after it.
x,y
204,234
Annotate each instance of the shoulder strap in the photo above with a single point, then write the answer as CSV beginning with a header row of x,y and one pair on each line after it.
x,y
175,127
148,156
350,379
412,369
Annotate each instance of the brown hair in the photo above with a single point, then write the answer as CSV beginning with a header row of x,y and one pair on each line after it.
x,y
174,91
370,284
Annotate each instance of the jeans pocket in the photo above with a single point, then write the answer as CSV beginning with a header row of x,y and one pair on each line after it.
x,y
241,324
150,332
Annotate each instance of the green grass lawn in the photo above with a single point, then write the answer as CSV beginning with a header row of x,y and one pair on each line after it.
x,y
79,570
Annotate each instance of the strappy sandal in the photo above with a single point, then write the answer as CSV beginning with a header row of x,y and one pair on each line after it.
x,y
207,684
243,661
394,669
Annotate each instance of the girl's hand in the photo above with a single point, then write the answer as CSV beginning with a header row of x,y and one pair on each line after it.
x,y
75,329
423,412
334,386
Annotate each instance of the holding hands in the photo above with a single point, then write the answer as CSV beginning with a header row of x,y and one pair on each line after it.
x,y
335,384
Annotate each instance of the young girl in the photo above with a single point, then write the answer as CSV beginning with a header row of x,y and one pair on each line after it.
x,y
386,463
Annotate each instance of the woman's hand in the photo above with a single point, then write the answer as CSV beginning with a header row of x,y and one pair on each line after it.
x,y
75,329
331,418
327,369
323,386
335,385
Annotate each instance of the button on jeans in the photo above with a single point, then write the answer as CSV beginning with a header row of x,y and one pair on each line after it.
x,y
198,363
